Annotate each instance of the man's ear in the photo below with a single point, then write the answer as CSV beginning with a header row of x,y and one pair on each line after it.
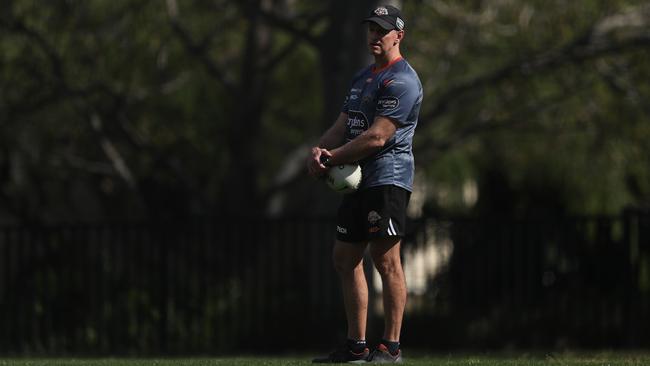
x,y
400,35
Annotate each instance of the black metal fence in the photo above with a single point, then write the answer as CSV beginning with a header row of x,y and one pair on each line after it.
x,y
216,285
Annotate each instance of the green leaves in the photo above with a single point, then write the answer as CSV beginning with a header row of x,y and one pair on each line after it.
x,y
545,89
191,95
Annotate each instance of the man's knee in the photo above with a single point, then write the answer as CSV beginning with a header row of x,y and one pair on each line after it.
x,y
386,256
387,266
347,256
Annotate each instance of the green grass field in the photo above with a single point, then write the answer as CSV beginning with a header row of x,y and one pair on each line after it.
x,y
603,359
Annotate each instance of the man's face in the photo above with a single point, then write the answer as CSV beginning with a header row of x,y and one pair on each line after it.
x,y
381,41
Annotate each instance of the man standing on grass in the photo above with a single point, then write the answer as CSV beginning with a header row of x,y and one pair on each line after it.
x,y
375,129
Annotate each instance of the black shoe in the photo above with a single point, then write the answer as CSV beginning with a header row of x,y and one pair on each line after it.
x,y
381,355
344,355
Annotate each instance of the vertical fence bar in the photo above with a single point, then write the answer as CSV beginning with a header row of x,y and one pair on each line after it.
x,y
4,284
20,292
161,250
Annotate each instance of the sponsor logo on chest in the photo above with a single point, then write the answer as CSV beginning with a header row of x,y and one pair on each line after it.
x,y
357,123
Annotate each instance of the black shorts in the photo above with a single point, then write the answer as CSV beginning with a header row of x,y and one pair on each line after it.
x,y
372,213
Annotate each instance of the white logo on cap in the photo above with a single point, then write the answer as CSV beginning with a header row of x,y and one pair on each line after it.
x,y
381,11
399,23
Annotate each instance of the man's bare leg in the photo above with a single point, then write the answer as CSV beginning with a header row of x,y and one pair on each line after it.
x,y
386,257
348,261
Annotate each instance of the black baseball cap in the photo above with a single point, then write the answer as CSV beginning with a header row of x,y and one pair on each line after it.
x,y
387,17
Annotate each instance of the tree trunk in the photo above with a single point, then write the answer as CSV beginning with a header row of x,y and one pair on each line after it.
x,y
343,52
241,194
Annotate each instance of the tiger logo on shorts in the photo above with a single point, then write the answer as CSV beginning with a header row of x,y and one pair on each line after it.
x,y
373,217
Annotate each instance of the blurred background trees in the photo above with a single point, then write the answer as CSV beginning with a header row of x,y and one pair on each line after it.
x,y
135,109
534,125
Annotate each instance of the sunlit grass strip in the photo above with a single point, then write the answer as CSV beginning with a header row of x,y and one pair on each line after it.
x,y
566,359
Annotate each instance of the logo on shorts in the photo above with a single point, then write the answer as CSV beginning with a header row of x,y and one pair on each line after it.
x,y
373,217
341,230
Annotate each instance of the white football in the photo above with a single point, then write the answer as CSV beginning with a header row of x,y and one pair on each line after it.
x,y
344,178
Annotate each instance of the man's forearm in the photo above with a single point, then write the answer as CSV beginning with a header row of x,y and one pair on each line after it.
x,y
361,147
335,135
366,144
331,139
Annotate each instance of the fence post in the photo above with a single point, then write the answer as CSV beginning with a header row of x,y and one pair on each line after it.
x,y
164,295
643,274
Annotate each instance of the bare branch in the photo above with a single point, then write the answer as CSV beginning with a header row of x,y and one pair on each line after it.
x,y
54,58
289,25
291,171
200,52
172,9
200,49
94,167
485,122
281,55
112,153
453,12
595,42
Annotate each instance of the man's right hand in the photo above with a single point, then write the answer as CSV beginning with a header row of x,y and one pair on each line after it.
x,y
315,166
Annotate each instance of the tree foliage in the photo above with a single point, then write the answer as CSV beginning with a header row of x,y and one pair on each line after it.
x,y
137,109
